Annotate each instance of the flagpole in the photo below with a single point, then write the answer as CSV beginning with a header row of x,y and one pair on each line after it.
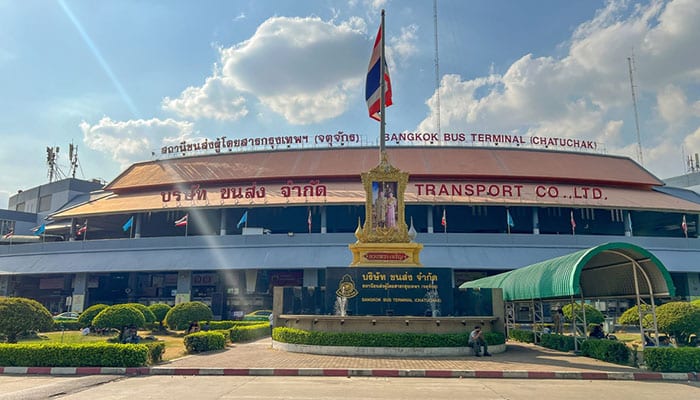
x,y
382,87
131,228
187,223
86,229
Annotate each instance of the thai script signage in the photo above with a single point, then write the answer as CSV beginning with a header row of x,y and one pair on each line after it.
x,y
392,291
341,138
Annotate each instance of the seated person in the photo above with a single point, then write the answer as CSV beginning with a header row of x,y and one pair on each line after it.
x,y
476,340
597,332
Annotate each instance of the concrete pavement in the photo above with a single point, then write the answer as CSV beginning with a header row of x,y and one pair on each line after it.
x,y
260,359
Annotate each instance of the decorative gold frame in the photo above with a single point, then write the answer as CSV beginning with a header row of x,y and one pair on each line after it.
x,y
370,233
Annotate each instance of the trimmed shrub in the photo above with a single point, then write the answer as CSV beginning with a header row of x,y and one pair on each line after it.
x,y
631,315
160,310
696,303
593,316
606,350
520,335
155,351
148,315
246,333
180,316
298,336
19,315
205,341
120,317
669,359
67,325
678,319
558,342
73,355
90,313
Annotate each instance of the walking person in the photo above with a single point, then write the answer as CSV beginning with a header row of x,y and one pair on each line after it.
x,y
476,340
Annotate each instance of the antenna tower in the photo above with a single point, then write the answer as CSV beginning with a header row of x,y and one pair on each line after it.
x,y
640,156
73,159
437,69
51,157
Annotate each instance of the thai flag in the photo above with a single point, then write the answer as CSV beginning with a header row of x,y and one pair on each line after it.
x,y
444,218
182,221
684,226
573,222
82,229
9,234
373,84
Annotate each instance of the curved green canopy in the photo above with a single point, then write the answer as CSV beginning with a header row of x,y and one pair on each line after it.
x,y
601,271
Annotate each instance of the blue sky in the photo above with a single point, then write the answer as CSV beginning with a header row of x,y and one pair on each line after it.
x,y
122,78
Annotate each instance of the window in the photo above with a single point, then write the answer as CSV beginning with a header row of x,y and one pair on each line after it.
x,y
45,203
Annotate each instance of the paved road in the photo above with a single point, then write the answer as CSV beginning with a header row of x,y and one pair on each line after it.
x,y
364,388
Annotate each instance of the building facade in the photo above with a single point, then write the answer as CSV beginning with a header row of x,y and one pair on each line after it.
x,y
227,228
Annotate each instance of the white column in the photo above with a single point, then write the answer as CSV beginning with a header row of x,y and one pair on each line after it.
x,y
137,228
79,292
628,223
535,221
323,219
430,219
222,223
184,287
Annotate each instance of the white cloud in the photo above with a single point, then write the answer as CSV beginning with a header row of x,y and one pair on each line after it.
x,y
217,99
404,46
586,93
130,141
305,69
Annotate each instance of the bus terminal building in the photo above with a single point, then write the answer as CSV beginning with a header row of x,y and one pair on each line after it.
x,y
228,228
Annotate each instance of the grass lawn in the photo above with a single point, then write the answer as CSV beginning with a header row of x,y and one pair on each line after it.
x,y
174,345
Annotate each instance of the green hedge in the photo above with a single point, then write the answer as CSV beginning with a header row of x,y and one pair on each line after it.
x,y
155,351
248,332
606,350
670,359
520,335
73,355
67,325
204,341
558,342
297,336
228,324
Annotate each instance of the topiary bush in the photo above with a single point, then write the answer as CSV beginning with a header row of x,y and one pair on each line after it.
x,y
631,315
19,315
90,313
678,319
696,303
159,310
520,335
205,341
147,313
606,350
119,316
669,359
593,316
180,316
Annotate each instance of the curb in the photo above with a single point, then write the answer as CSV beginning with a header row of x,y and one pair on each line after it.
x,y
351,372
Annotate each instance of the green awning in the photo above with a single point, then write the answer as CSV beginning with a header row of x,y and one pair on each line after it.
x,y
599,272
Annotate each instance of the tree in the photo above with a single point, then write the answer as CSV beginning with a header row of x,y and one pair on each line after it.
x,y
631,316
593,316
678,319
180,316
120,316
160,310
90,313
19,315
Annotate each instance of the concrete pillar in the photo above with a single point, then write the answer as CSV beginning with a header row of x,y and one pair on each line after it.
x,y
184,287
4,285
71,233
310,277
222,223
628,223
535,221
79,292
137,228
323,219
430,219
132,283
251,279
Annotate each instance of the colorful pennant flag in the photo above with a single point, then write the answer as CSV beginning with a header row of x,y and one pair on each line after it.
x,y
243,220
509,219
182,221
41,229
128,224
308,220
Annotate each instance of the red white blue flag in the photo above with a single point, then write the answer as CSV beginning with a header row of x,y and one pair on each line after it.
x,y
373,84
182,221
684,226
